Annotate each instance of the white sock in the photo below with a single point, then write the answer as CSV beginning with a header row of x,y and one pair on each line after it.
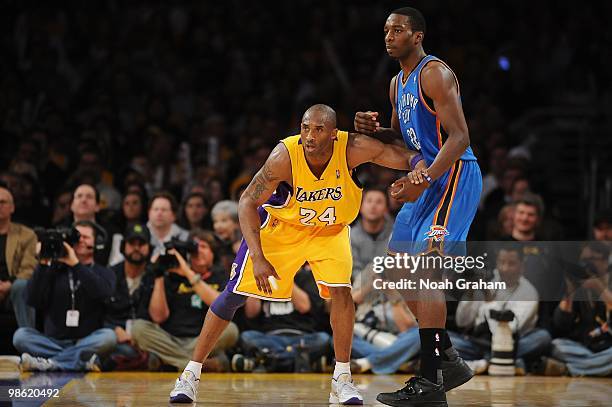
x,y
342,368
364,363
195,368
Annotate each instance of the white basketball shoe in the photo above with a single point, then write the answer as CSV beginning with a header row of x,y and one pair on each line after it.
x,y
185,389
344,392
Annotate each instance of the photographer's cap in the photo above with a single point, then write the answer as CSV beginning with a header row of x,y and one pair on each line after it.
x,y
137,231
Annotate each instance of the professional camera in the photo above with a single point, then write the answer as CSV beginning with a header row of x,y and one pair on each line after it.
x,y
51,241
168,261
502,344
366,329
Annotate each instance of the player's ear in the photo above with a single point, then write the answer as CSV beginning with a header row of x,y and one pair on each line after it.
x,y
335,134
418,39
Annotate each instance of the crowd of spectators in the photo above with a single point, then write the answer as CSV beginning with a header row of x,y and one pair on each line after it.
x,y
155,117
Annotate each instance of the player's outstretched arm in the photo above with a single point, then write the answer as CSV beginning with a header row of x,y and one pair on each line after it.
x,y
363,149
276,169
438,82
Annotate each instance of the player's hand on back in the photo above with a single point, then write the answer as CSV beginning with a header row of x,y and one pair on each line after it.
x,y
410,187
366,122
263,270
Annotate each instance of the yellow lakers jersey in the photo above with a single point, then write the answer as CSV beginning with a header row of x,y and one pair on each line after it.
x,y
332,199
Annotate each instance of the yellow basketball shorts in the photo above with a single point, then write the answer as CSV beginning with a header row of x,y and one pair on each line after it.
x,y
287,247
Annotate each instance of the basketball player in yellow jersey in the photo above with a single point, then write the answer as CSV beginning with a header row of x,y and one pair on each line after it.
x,y
297,209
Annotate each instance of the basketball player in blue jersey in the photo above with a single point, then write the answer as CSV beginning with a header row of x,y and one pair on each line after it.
x,y
442,192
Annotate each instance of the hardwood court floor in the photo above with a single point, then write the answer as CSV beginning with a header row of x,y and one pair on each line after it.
x,y
151,389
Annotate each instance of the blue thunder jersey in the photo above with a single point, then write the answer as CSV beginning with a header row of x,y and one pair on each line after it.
x,y
441,217
419,123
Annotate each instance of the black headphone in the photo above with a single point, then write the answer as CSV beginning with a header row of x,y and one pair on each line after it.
x,y
100,233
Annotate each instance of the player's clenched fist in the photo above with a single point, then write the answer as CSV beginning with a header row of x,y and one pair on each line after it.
x,y
366,122
410,187
263,270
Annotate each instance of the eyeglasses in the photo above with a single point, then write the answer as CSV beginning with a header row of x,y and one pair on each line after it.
x,y
5,202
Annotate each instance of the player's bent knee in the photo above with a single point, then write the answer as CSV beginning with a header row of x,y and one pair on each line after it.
x,y
226,304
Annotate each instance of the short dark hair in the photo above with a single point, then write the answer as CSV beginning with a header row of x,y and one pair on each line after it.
x,y
417,21
96,192
511,246
88,224
377,188
165,195
531,199
330,114
206,236
196,195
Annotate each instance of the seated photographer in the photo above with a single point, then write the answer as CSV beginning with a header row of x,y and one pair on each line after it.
x,y
583,318
69,290
179,301
477,313
134,285
289,338
17,262
386,334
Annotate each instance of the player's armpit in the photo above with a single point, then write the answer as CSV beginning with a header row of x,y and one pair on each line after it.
x,y
363,149
276,169
439,83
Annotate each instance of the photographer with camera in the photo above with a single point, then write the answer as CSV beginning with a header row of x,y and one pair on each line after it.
x,y
386,333
130,301
180,298
69,290
513,312
17,262
582,318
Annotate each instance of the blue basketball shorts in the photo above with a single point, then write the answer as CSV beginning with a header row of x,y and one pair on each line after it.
x,y
440,219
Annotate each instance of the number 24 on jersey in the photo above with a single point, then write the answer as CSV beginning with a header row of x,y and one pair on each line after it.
x,y
328,217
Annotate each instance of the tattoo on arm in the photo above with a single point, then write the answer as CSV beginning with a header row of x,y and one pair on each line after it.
x,y
261,181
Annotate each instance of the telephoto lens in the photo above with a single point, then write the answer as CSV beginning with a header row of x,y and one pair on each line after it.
x,y
502,345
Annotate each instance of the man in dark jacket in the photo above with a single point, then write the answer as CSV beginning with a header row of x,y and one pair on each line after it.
x,y
70,293
129,300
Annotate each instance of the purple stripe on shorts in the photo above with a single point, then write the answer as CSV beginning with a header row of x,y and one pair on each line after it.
x,y
238,266
280,196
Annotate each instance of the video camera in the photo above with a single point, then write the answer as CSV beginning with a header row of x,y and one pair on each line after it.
x,y
169,261
51,241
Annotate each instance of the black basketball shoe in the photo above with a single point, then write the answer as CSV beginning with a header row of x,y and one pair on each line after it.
x,y
455,371
417,392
